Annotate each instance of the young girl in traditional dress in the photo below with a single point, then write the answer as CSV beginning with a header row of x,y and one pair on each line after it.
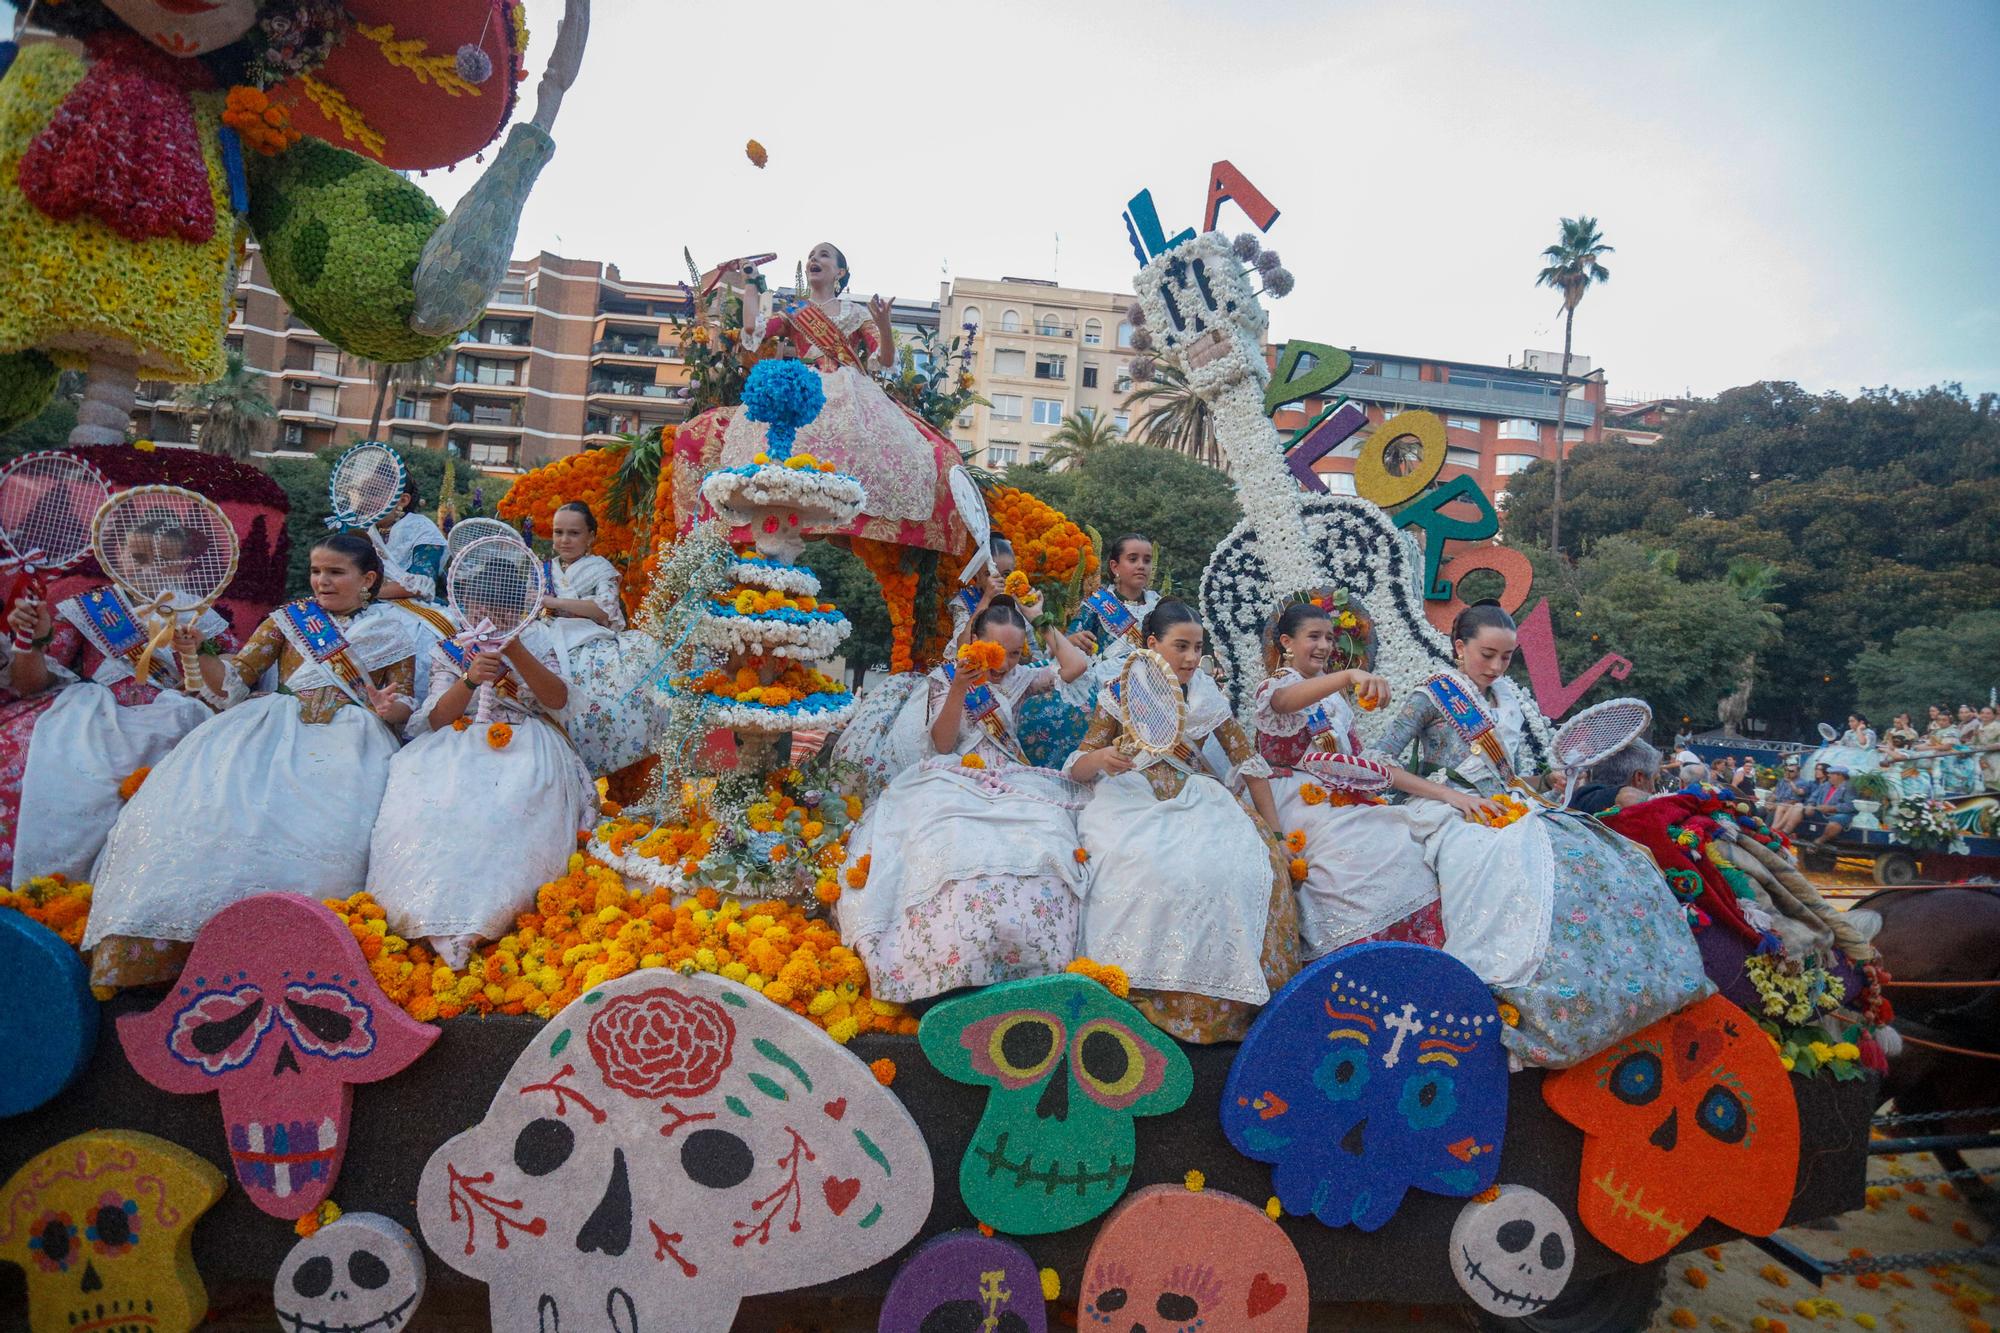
x,y
1366,878
279,793
476,817
970,857
413,549
611,716
85,723
1572,923
1189,895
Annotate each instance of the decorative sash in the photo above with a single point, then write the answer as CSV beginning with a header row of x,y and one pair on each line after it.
x,y
1471,723
970,599
821,331
104,617
461,659
310,628
430,615
1113,614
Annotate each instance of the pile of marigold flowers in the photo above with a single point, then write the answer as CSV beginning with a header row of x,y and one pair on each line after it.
x,y
1047,546
588,928
757,601
1516,809
979,655
55,902
794,682
795,842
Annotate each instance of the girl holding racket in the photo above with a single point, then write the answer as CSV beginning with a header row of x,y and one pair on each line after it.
x,y
1366,878
277,793
966,871
411,547
455,871
85,722
1190,895
1566,920
611,716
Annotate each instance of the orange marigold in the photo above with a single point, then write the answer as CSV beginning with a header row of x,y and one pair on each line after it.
x,y
134,780
884,1071
499,735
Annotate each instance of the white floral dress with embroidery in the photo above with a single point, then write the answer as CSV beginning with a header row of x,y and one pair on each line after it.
x,y
613,712
973,875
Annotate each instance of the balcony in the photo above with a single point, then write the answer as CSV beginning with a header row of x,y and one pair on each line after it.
x,y
617,388
505,344
1054,330
501,376
483,415
1440,396
639,348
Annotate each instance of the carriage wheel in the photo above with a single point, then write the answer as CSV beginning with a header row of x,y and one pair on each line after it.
x,y
1624,1298
1895,869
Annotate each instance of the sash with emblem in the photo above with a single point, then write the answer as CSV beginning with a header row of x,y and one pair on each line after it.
x,y
982,708
312,630
1471,723
1113,615
107,619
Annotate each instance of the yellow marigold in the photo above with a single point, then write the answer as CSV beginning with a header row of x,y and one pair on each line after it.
x,y
1312,793
1107,975
844,1031
1298,869
1195,1181
1051,1284
972,761
884,1071
1295,841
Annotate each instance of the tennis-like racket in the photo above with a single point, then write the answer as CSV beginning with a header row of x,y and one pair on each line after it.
x,y
171,552
47,502
495,586
365,483
972,512
1827,733
1595,734
1150,704
469,530
1348,772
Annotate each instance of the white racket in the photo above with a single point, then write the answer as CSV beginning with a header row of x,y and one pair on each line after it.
x,y
1151,705
171,552
1827,733
1595,734
495,586
365,483
972,512
1348,772
469,530
47,502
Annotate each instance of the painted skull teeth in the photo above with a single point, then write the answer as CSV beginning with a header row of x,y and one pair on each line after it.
x,y
284,1156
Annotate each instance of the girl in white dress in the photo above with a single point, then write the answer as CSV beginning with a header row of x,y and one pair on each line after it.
x,y
476,818
1366,878
970,857
1189,895
611,715
279,792
413,550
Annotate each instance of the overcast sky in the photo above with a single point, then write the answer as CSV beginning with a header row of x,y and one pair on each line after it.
x,y
1796,191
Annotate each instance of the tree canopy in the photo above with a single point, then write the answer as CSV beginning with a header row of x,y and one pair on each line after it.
x,y
1879,513
1949,665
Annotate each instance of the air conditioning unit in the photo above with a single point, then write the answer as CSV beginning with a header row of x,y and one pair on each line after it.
x,y
295,434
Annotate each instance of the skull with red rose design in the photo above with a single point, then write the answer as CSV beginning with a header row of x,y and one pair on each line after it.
x,y
669,1145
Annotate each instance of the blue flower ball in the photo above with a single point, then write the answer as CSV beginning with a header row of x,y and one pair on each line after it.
x,y
784,395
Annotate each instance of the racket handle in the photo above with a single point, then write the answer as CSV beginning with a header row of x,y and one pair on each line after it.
x,y
485,714
31,588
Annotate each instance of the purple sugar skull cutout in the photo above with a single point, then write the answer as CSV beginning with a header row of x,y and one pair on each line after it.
x,y
963,1280
1378,1070
277,1012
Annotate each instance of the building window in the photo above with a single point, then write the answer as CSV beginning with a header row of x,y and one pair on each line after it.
x,y
406,408
1463,423
1456,457
1123,384
1006,407
1507,465
1087,413
965,421
1338,483
1093,332
1050,327
472,370
1391,370
1009,361
492,453
1010,321
1048,411
1037,455
971,320
1050,366
1122,420
1090,377
1124,333
1519,428
1003,455
1573,434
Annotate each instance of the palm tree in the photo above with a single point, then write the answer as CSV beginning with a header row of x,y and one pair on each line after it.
x,y
1078,437
1174,418
236,418
422,372
1572,269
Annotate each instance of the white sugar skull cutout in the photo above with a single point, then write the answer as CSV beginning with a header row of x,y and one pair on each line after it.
x,y
278,1014
358,1273
1514,1253
1201,311
667,1146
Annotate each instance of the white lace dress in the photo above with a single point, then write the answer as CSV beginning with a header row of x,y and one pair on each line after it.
x,y
973,874
613,711
468,832
1365,867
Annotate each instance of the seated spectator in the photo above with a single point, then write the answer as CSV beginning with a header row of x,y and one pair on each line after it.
x,y
1789,800
1623,777
1745,780
1859,735
1723,772
1832,809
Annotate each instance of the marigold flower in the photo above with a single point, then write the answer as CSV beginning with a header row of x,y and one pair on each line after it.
x,y
1295,841
498,735
971,761
129,787
1298,869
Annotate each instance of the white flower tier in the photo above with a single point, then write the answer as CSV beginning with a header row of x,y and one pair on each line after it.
x,y
783,505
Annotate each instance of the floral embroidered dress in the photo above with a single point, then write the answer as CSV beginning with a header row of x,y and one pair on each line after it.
x,y
612,714
469,830
1366,877
972,871
1571,923
1188,894
277,793
65,752
902,462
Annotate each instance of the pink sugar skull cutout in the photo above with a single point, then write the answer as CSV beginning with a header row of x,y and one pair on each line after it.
x,y
667,1146
278,1014
1179,1259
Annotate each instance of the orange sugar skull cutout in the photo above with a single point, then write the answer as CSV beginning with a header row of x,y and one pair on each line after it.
x,y
1172,1258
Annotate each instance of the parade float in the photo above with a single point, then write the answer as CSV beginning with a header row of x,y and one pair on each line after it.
x,y
666,1098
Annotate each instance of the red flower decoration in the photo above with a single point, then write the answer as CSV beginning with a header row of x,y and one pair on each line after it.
x,y
661,1043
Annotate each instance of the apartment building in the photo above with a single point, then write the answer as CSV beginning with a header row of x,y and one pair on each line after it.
x,y
570,355
1498,419
1043,352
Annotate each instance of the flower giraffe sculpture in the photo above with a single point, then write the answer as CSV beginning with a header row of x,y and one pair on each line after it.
x,y
137,157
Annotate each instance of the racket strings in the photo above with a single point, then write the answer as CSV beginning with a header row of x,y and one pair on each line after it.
x,y
469,530
365,483
495,580
1151,699
47,505
166,547
1600,731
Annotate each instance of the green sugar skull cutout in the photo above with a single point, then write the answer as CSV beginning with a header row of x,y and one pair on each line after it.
x,y
1071,1066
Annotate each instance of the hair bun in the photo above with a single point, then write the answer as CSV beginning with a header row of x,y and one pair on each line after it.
x,y
1004,599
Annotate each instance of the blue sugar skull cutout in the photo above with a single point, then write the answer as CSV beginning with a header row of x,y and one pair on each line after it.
x,y
48,1019
1378,1070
